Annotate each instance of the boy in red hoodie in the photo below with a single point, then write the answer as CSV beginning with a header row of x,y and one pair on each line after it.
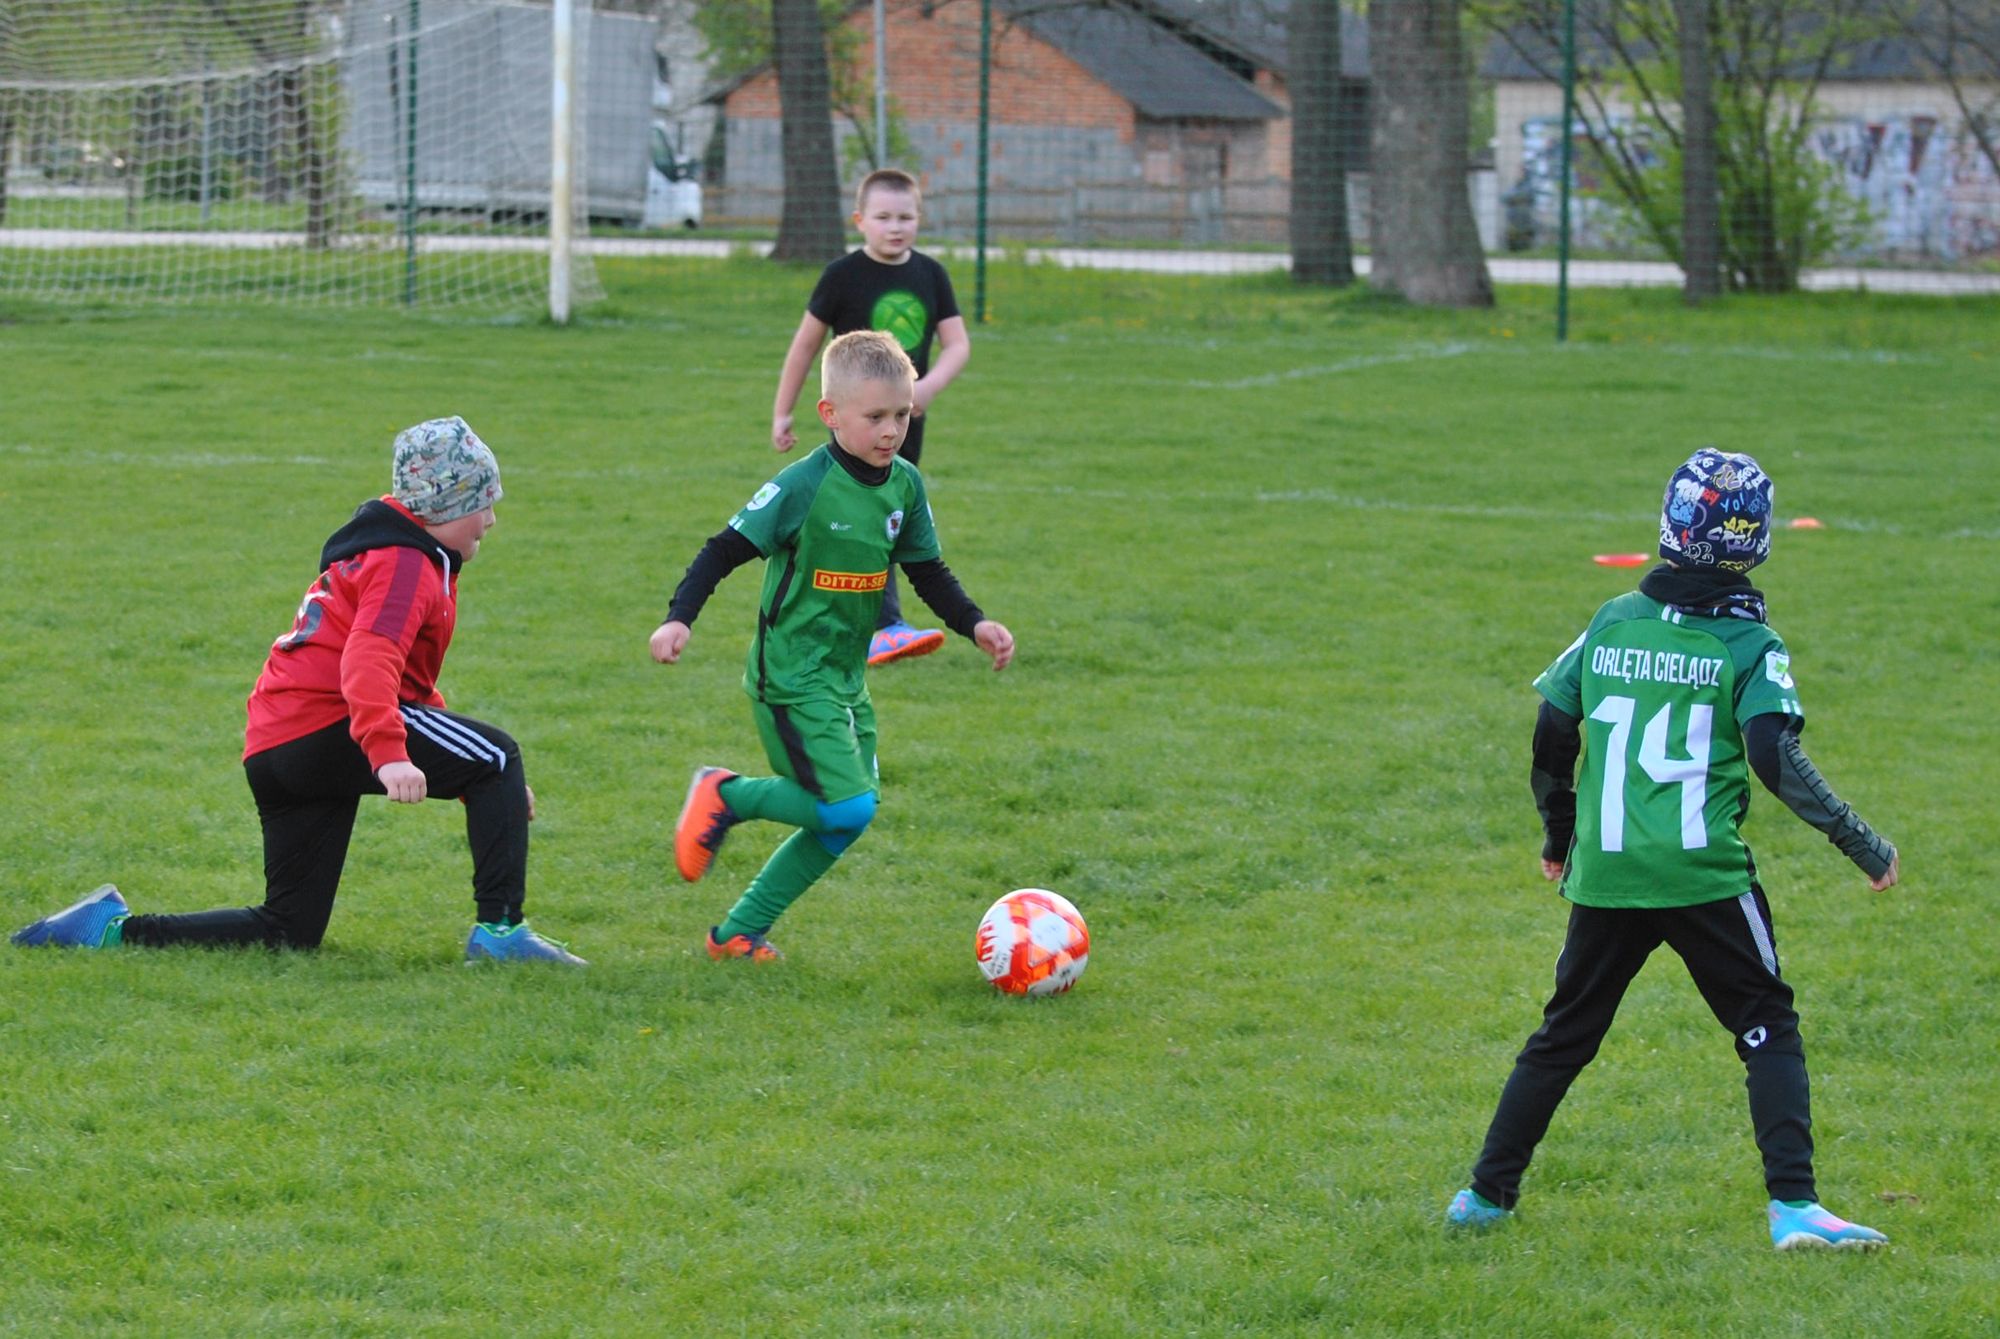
x,y
347,705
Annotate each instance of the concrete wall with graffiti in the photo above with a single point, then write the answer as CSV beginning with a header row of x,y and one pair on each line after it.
x,y
1903,150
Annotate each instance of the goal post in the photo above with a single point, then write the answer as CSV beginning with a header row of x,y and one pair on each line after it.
x,y
428,153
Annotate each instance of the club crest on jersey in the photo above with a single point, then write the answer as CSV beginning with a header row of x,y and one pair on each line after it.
x,y
762,498
895,523
1778,668
854,583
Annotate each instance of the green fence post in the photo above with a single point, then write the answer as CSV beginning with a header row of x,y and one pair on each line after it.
x,y
1569,119
985,114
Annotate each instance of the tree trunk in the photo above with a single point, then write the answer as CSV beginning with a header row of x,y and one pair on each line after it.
x,y
1322,252
1424,242
809,228
1701,193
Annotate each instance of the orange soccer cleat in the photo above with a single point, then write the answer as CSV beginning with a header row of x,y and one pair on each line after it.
x,y
754,947
705,820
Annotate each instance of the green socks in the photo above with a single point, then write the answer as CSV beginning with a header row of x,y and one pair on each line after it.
x,y
778,798
794,867
114,934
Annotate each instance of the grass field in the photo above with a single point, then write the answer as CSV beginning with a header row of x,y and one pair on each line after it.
x,y
1281,567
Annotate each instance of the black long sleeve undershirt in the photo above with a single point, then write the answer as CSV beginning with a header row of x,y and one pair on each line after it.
x,y
1558,742
1771,744
727,550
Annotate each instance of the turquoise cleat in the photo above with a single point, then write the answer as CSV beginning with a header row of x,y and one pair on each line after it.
x,y
82,924
1814,1228
516,943
1471,1209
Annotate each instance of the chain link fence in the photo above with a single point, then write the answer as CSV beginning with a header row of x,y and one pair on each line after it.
x,y
344,149
1850,143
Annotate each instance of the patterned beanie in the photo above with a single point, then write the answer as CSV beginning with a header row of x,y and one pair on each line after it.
x,y
1717,512
443,471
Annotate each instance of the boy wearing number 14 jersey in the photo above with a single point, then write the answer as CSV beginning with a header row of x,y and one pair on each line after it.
x,y
1673,695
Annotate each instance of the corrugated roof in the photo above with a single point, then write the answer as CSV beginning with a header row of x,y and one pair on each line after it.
x,y
1162,76
1528,55
1257,30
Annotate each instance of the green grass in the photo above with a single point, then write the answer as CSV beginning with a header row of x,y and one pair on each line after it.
x,y
1281,566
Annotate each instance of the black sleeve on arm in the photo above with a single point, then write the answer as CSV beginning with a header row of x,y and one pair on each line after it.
x,y
725,551
1772,743
1558,742
939,589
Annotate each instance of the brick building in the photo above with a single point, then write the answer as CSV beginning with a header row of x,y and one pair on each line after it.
x,y
1155,119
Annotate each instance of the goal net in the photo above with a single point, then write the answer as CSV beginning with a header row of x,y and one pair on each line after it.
x,y
306,151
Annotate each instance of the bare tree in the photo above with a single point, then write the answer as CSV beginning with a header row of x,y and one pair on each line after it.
x,y
1322,251
1424,241
6,149
308,142
1768,59
809,228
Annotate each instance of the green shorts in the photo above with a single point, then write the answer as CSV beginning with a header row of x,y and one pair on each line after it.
x,y
825,747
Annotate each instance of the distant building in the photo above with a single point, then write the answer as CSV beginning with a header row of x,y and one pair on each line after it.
x,y
1161,119
1884,119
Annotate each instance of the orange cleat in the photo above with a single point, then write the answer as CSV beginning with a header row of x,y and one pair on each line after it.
x,y
705,820
754,947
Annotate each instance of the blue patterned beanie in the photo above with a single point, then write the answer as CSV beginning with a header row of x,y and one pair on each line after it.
x,y
1717,512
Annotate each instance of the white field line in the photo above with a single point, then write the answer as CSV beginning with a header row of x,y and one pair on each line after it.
x,y
1503,269
1330,369
1313,497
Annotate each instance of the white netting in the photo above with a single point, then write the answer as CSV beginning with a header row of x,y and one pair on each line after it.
x,y
310,151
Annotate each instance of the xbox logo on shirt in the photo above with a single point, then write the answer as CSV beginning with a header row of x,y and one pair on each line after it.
x,y
903,315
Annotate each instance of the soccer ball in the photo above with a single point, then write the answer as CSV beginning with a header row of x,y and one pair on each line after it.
x,y
1032,942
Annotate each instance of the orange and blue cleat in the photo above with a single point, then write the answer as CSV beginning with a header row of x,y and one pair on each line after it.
x,y
705,820
900,641
754,947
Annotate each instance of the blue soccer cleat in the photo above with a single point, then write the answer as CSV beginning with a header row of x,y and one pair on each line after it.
x,y
1814,1228
80,925
900,641
516,943
1471,1209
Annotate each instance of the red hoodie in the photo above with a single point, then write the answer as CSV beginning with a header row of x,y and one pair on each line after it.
x,y
371,633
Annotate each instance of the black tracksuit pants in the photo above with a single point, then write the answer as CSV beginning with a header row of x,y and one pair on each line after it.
x,y
307,792
1731,954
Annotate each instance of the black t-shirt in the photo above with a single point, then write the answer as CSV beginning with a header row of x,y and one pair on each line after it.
x,y
858,292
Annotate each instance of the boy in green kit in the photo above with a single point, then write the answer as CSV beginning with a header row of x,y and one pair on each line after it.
x,y
1674,696
828,527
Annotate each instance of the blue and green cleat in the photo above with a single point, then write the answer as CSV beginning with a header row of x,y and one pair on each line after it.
x,y
82,924
516,943
1811,1226
1470,1209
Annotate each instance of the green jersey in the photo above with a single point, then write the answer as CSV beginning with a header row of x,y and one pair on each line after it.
x,y
827,539
1663,696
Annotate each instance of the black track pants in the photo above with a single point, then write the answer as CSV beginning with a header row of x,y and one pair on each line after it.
x,y
307,792
1731,954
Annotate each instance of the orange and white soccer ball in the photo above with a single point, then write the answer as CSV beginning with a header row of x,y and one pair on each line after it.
x,y
1032,942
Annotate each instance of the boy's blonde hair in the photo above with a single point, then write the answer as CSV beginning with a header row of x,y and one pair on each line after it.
x,y
862,355
889,179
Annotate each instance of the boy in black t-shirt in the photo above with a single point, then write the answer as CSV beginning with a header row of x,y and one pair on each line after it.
x,y
887,285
